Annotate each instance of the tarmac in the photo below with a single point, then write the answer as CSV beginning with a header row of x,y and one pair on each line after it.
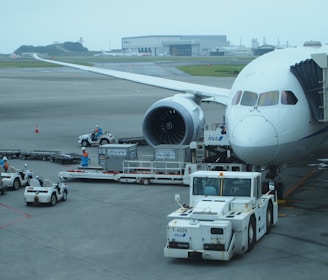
x,y
108,230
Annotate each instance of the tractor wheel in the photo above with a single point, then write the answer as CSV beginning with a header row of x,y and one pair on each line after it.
x,y
53,200
104,142
269,218
251,234
16,184
85,143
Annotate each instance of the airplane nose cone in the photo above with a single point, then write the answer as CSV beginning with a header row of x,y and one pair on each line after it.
x,y
254,140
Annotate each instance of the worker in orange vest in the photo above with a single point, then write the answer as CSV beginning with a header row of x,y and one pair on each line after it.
x,y
5,164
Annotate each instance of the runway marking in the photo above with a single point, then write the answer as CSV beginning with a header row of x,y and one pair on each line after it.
x,y
12,212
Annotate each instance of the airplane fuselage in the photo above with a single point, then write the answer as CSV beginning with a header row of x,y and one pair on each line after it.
x,y
268,116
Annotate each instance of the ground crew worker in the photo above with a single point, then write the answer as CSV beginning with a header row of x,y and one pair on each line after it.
x,y
93,135
40,179
5,164
98,131
84,158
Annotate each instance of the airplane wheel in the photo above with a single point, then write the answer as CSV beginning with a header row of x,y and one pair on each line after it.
x,y
280,191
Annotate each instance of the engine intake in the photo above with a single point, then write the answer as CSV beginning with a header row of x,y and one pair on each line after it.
x,y
174,120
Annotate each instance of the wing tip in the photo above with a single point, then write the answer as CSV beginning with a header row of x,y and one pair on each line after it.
x,y
36,56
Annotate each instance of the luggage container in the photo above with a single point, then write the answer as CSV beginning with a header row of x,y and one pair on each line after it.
x,y
111,156
166,152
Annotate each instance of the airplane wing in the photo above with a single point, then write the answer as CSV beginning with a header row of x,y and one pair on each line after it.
x,y
213,94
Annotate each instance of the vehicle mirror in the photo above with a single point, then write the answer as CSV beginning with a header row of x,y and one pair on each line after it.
x,y
177,200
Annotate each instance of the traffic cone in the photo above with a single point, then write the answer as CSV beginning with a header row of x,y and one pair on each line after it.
x,y
36,129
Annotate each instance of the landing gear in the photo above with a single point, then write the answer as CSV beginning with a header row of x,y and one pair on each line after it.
x,y
272,174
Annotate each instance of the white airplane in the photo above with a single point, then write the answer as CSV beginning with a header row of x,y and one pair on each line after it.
x,y
14,56
276,110
103,53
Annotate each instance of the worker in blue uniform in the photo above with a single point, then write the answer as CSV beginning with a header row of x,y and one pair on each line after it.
x,y
98,132
84,158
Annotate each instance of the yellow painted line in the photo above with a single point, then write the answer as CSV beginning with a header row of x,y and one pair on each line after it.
x,y
300,182
286,207
282,201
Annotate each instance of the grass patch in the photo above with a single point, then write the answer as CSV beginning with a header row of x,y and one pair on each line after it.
x,y
212,70
31,63
196,66
24,63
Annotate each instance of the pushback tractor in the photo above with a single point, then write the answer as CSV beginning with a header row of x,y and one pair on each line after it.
x,y
226,215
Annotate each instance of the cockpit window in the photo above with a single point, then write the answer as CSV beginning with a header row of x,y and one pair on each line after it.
x,y
249,98
236,98
288,98
268,98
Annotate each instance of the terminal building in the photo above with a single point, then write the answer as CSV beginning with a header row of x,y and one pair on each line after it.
x,y
176,45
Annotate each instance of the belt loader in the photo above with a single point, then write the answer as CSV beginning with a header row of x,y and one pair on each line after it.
x,y
227,215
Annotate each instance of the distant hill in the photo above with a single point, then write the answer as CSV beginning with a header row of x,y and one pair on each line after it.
x,y
54,49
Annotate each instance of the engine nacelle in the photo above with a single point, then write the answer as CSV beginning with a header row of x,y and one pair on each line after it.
x,y
174,120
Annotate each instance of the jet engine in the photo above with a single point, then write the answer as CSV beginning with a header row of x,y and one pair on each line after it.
x,y
174,120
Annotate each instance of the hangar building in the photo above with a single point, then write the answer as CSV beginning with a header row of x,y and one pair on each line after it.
x,y
175,45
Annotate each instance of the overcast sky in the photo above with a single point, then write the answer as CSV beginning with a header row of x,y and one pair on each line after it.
x,y
102,23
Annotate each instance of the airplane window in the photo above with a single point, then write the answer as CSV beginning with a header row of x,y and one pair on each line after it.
x,y
249,98
288,98
268,98
236,98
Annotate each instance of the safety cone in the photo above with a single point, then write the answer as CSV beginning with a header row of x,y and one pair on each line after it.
x,y
36,128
